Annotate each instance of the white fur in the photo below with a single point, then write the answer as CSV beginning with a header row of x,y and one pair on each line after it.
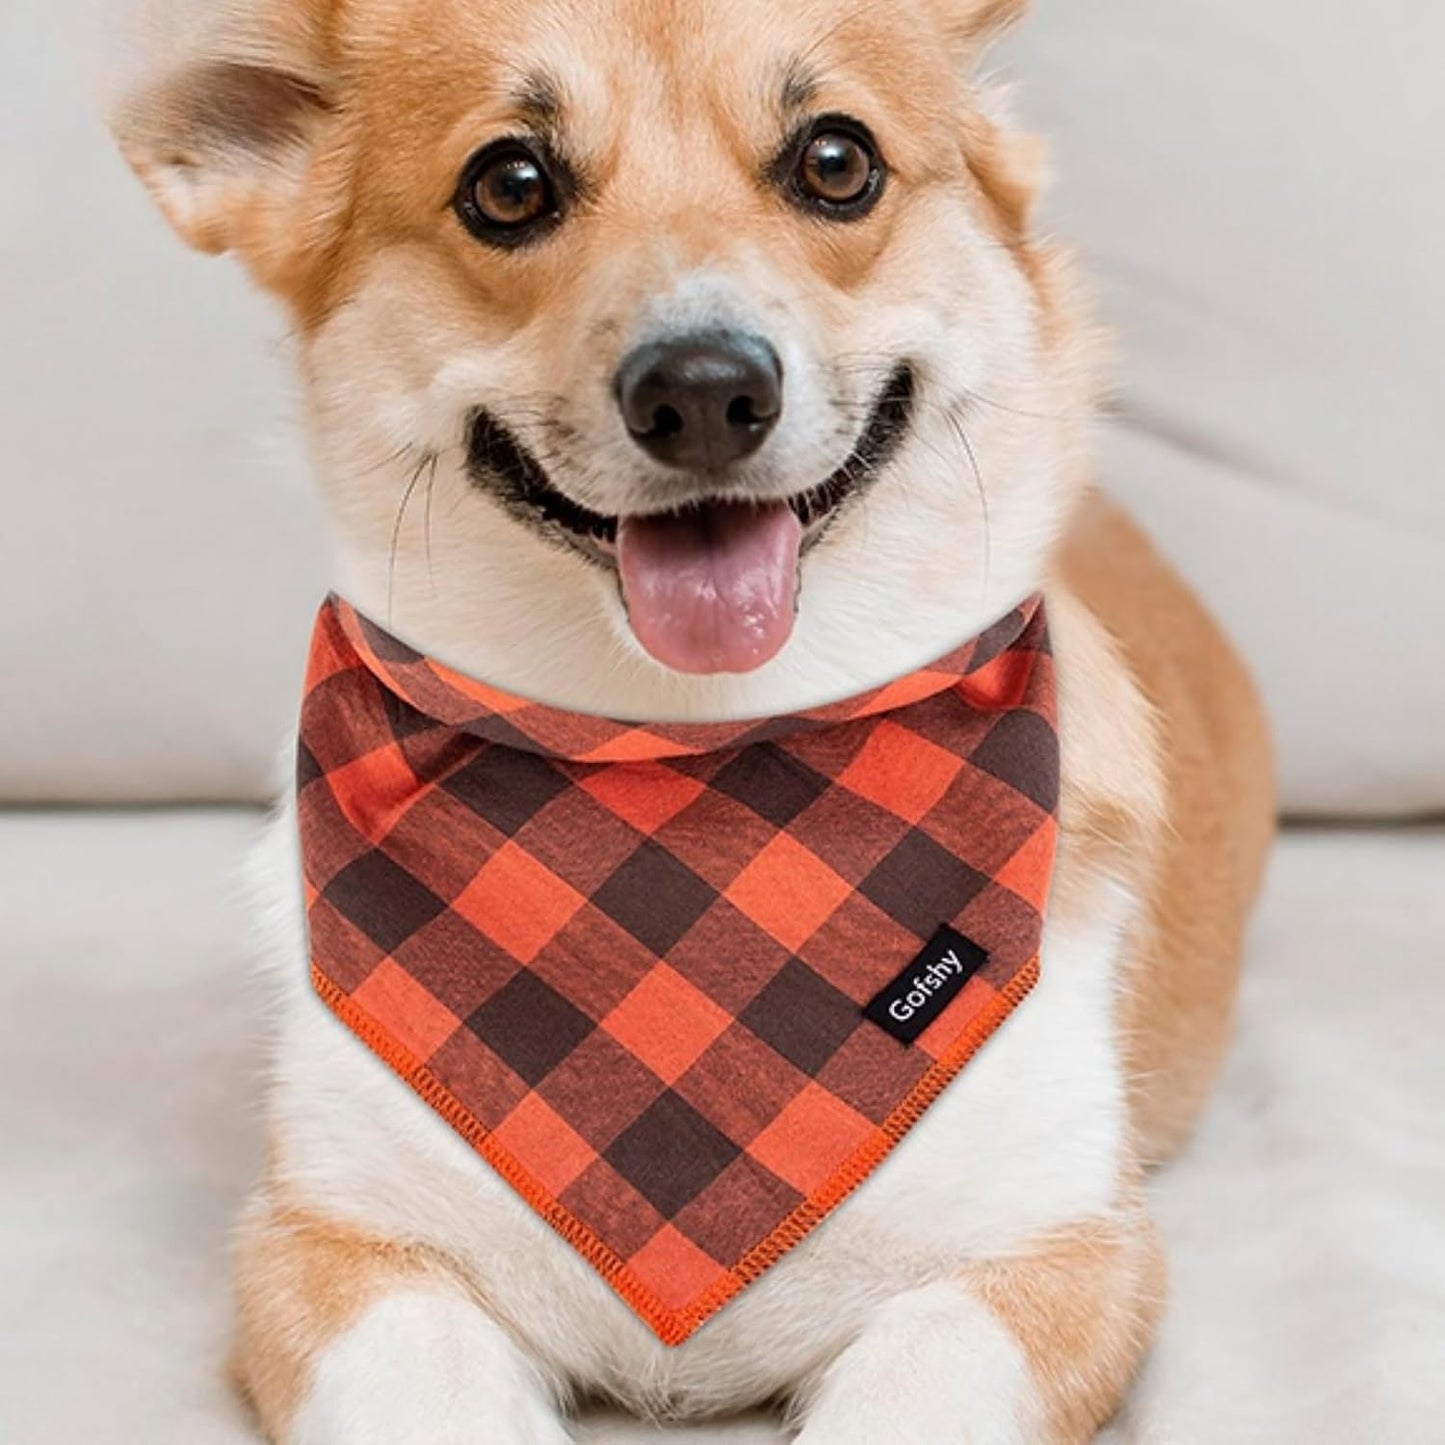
x,y
426,1369
928,1362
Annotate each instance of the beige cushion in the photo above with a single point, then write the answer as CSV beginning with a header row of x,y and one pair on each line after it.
x,y
1307,1281
1258,188
158,553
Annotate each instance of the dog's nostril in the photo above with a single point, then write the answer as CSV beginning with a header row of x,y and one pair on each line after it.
x,y
703,401
742,413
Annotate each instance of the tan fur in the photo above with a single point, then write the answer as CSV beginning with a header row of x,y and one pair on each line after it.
x,y
378,169
1084,1305
1112,805
301,1281
1219,798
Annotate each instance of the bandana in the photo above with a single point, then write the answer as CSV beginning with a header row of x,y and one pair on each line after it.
x,y
683,986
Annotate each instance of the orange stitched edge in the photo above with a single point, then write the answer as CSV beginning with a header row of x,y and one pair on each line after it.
x,y
672,1327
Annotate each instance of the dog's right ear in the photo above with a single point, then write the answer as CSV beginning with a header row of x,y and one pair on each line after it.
x,y
224,148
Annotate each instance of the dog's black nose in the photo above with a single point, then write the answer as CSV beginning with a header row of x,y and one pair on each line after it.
x,y
701,401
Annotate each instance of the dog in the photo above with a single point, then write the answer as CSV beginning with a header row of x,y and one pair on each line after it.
x,y
688,362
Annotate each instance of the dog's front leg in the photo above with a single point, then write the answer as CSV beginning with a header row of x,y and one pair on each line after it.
x,y
350,1340
425,1369
1035,1349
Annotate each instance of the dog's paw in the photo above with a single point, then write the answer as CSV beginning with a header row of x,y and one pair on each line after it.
x,y
426,1370
933,1367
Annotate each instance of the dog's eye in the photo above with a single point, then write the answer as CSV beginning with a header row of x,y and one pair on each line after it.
x,y
838,170
506,194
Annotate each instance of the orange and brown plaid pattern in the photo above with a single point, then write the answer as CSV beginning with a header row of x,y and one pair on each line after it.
x,y
629,963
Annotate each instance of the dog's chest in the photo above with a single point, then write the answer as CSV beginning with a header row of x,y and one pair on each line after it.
x,y
1028,1138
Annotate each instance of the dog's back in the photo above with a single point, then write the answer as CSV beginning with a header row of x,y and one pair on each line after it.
x,y
1215,753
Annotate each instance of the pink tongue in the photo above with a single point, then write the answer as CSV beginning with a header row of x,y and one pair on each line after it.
x,y
711,590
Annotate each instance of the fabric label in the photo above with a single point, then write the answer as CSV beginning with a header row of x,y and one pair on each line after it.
x,y
926,987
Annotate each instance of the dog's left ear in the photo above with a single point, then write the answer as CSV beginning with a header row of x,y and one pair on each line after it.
x,y
974,25
224,148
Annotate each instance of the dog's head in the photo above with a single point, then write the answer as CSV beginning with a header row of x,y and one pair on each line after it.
x,y
661,357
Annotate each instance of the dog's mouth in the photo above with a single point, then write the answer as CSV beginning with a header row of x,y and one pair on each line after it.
x,y
712,586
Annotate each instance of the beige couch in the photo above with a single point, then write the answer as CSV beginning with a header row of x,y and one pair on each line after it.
x,y
1257,187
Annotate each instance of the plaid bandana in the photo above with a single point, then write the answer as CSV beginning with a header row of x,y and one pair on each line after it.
x,y
683,986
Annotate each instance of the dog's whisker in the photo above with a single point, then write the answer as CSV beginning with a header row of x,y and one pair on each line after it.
x,y
955,422
983,400
949,414
431,482
391,566
391,459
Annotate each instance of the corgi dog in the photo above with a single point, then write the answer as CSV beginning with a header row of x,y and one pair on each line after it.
x,y
694,361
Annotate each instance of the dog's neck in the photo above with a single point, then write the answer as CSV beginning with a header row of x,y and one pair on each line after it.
x,y
894,590
850,638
